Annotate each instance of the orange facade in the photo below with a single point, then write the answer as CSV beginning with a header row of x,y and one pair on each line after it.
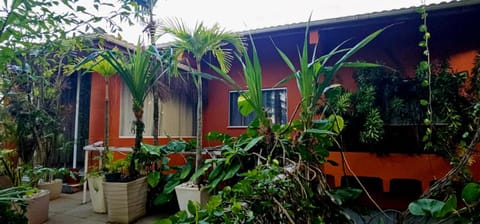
x,y
397,47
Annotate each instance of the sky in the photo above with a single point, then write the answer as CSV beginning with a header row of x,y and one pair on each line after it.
x,y
242,15
252,14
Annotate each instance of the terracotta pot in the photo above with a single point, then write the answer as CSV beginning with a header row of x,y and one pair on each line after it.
x,y
126,202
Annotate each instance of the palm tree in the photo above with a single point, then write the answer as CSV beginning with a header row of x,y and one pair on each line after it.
x,y
145,8
106,70
198,42
139,73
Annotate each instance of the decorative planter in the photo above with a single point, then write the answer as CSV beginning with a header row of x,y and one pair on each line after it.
x,y
37,208
95,187
126,202
55,188
189,191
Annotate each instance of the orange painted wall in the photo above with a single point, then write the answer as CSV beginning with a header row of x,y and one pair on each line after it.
x,y
422,167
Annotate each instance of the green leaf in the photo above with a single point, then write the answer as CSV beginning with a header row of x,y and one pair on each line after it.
x,y
423,102
232,171
344,194
213,203
193,207
422,28
81,8
471,192
426,207
424,65
243,105
162,199
252,143
318,131
338,123
153,178
170,185
449,207
163,221
185,171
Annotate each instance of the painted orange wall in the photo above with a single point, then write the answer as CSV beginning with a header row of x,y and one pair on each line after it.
x,y
422,167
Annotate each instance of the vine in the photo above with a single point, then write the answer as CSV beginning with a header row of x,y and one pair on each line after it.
x,y
425,68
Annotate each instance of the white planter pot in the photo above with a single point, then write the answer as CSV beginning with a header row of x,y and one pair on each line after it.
x,y
189,191
126,202
95,187
37,208
55,188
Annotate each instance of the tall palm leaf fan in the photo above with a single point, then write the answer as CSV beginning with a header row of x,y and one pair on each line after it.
x,y
197,43
139,72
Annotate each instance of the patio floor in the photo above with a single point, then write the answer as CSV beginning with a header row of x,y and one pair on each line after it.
x,y
69,209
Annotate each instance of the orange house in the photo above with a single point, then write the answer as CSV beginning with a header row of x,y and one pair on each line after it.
x,y
455,37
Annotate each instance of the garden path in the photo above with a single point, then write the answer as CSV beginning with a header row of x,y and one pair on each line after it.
x,y
68,208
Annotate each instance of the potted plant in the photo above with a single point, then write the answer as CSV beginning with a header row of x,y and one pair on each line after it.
x,y
29,200
198,42
45,178
139,73
95,181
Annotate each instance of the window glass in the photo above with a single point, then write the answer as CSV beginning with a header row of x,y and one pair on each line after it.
x,y
274,101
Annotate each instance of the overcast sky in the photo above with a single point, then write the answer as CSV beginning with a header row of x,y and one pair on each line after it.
x,y
241,15
251,14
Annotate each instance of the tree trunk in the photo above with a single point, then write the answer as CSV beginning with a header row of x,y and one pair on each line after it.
x,y
198,154
155,115
106,137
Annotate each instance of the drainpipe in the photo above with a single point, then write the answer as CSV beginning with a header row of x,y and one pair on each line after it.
x,y
77,105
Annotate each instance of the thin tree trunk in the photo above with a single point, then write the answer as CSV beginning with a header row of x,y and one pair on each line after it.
x,y
198,154
155,115
106,136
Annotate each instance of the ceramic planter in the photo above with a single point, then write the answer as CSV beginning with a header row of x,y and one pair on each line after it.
x,y
189,191
95,187
55,187
37,208
126,202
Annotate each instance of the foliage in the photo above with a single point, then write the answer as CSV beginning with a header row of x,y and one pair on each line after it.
x,y
442,211
234,158
162,178
268,194
139,72
198,43
314,77
13,206
38,40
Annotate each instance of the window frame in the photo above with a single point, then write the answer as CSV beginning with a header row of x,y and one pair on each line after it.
x,y
244,90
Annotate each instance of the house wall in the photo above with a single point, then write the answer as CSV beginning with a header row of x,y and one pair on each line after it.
x,y
397,48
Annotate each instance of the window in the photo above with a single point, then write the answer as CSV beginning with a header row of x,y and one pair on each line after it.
x,y
274,101
175,118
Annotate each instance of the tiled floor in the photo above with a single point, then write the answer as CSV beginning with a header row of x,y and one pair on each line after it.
x,y
69,209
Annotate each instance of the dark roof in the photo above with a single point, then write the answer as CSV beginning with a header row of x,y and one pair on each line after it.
x,y
361,17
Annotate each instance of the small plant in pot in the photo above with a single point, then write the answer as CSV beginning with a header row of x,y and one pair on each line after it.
x,y
46,178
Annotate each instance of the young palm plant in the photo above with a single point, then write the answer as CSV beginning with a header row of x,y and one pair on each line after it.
x,y
314,77
250,100
106,70
139,72
198,42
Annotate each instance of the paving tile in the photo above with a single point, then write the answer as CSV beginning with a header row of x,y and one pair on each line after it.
x,y
68,209
61,219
